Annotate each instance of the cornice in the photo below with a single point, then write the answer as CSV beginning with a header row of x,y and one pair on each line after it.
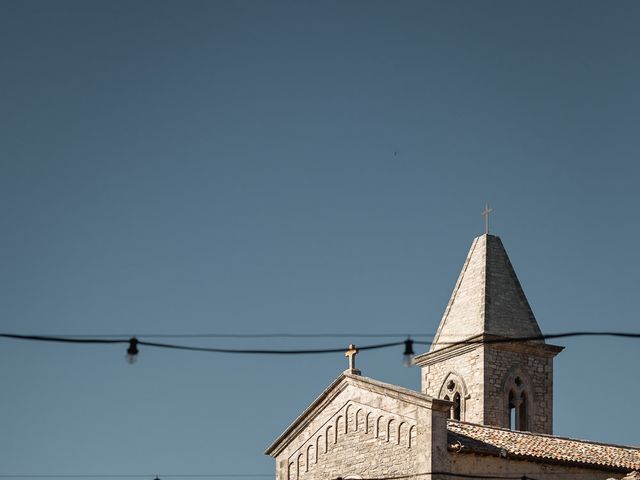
x,y
494,342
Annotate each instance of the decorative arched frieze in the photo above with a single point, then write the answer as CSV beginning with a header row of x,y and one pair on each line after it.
x,y
379,425
298,465
390,430
348,414
339,422
318,442
412,436
308,459
327,434
401,432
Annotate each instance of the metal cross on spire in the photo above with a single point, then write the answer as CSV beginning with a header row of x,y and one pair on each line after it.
x,y
485,213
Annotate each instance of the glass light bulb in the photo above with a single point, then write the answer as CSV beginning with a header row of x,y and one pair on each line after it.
x,y
407,360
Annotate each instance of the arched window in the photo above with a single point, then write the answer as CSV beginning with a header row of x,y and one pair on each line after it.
x,y
454,390
455,412
518,405
522,412
512,411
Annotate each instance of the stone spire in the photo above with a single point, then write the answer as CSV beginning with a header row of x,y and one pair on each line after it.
x,y
487,298
505,384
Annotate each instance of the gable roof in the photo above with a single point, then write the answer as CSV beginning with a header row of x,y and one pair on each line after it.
x,y
337,386
487,298
471,438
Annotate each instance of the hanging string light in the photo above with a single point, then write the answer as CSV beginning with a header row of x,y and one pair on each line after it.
x,y
407,356
132,351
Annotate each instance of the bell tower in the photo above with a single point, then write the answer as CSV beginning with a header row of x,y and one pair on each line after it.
x,y
472,362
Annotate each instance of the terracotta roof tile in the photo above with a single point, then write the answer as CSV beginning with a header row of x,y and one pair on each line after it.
x,y
468,437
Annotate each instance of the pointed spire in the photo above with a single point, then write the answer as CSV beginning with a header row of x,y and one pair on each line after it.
x,y
487,298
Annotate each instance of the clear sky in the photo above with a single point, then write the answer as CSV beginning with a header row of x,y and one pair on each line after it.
x,y
307,167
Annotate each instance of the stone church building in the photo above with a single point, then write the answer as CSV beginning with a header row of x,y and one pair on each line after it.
x,y
484,409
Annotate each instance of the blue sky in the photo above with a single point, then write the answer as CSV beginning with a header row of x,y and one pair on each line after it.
x,y
257,167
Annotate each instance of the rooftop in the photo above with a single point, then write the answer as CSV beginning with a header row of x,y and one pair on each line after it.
x,y
487,298
471,438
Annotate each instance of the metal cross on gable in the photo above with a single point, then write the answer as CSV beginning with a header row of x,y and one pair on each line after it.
x,y
485,213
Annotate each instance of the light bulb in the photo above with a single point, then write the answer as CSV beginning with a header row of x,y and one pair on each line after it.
x,y
132,351
407,360
407,356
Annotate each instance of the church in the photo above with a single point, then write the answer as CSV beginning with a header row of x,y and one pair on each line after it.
x,y
485,409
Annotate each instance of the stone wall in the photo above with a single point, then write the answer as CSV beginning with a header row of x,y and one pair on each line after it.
x,y
345,438
484,371
362,428
467,366
536,373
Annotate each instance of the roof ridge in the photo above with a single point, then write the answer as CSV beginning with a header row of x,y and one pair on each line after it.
x,y
485,291
389,386
533,434
454,294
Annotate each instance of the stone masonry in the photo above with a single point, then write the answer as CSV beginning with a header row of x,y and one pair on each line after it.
x,y
467,365
487,298
502,366
356,420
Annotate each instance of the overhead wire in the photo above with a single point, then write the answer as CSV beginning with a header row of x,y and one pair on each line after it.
x,y
114,338
265,475
205,475
489,476
210,475
55,339
408,355
307,351
251,335
303,351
